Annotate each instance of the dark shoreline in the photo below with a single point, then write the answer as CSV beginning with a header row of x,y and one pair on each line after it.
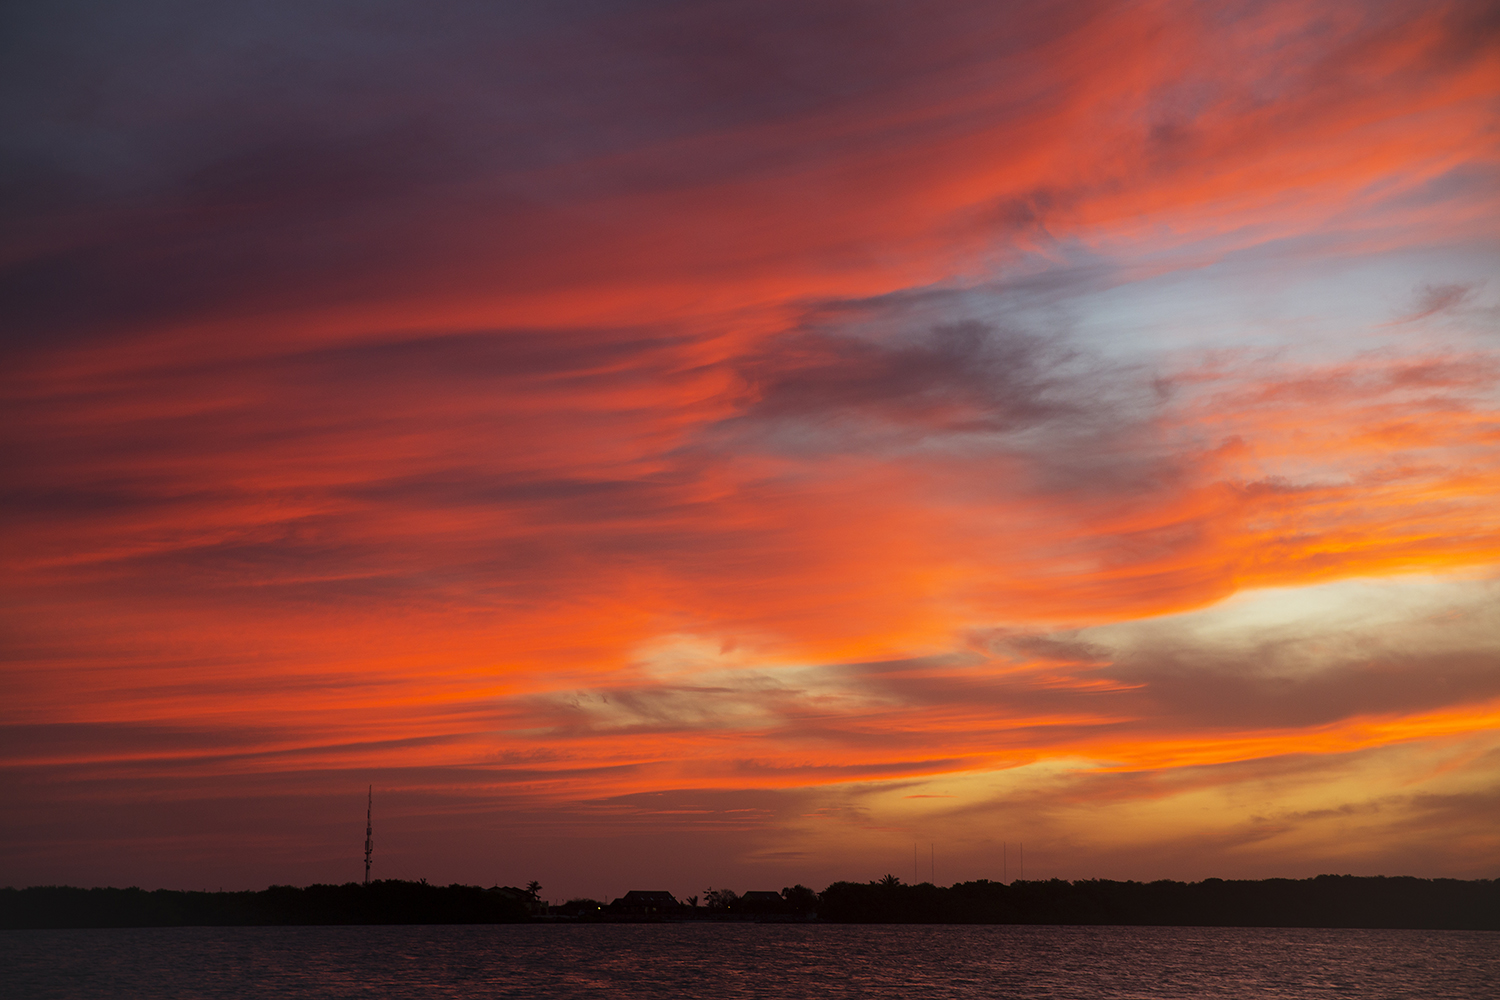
x,y
1326,901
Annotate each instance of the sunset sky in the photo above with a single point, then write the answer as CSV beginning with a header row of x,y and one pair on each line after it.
x,y
671,444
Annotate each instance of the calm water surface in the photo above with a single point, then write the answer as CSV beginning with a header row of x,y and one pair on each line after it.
x,y
747,960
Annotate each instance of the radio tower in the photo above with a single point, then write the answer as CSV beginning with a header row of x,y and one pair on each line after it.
x,y
369,843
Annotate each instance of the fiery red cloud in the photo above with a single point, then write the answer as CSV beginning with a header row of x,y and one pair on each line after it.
x,y
682,442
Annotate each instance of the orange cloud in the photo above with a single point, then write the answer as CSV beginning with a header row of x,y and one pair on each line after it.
x,y
611,420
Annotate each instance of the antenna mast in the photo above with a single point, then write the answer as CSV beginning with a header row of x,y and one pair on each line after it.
x,y
369,841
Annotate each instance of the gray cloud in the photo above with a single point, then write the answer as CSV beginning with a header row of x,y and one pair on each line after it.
x,y
959,377
898,374
1433,299
1240,691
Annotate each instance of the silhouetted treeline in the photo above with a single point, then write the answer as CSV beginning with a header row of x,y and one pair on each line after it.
x,y
383,902
1325,901
796,902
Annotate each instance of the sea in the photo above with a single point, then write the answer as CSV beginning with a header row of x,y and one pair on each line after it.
x,y
724,960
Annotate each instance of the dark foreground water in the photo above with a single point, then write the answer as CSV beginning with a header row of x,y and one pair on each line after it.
x,y
747,960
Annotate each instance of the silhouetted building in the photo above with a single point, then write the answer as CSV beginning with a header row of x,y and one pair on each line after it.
x,y
645,903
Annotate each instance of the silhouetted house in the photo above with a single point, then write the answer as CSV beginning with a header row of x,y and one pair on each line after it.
x,y
645,903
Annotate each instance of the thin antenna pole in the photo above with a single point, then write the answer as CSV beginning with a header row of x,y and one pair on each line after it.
x,y
1021,861
1004,861
916,865
369,840
932,860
